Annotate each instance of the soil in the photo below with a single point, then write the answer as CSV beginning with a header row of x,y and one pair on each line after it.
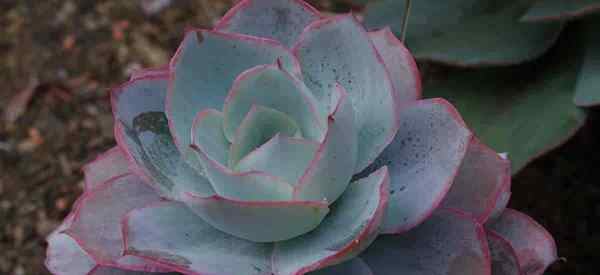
x,y
59,59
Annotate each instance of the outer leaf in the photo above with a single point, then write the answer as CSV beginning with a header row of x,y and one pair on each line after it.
x,y
203,70
142,132
424,159
512,110
331,169
278,20
481,180
259,221
96,221
283,157
534,246
109,164
550,10
65,256
447,243
400,63
348,230
103,270
339,50
170,234
587,91
504,256
466,32
501,203
272,87
356,266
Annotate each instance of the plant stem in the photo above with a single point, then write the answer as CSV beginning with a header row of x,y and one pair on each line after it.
x,y
405,19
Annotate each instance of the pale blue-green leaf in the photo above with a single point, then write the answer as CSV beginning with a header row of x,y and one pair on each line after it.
x,y
338,50
142,131
258,126
97,218
107,165
424,159
481,180
281,20
332,167
534,246
259,221
400,63
448,243
283,157
356,266
503,255
272,87
349,229
207,133
169,233
203,70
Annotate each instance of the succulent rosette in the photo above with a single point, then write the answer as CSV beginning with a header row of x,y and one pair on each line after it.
x,y
286,142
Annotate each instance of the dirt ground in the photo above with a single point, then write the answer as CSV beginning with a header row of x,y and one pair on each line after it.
x,y
59,58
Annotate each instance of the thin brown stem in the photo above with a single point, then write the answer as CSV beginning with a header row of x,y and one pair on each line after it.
x,y
405,19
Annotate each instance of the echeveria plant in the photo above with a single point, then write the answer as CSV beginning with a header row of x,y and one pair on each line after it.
x,y
284,142
523,110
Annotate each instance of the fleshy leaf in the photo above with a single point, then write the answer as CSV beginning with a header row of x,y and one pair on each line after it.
x,y
480,182
400,64
587,90
141,130
283,157
551,10
207,133
466,32
66,257
247,186
109,164
331,169
260,125
170,234
355,266
200,78
449,242
501,202
104,270
524,111
96,223
281,20
349,229
424,159
534,246
504,257
339,50
259,221
272,87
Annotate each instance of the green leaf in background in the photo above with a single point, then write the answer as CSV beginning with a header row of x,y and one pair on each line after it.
x,y
466,32
525,110
548,10
587,91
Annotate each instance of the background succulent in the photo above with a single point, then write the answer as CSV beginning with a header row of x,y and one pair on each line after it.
x,y
523,114
283,142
